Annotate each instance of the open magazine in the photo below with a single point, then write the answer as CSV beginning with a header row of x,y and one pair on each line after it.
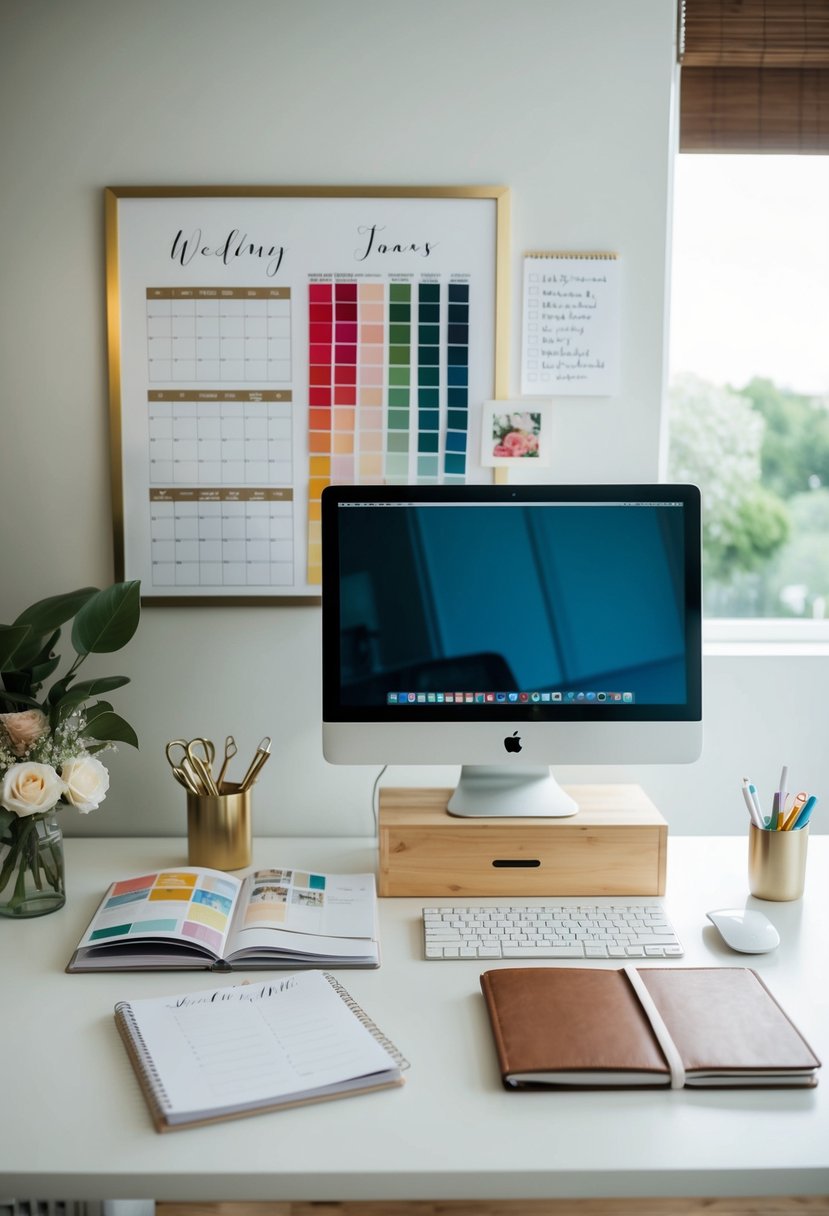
x,y
193,917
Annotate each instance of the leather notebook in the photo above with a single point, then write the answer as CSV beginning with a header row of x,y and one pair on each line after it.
x,y
648,1027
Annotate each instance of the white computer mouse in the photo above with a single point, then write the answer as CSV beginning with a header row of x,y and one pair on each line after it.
x,y
745,929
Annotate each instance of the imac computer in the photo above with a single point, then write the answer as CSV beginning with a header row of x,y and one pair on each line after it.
x,y
510,629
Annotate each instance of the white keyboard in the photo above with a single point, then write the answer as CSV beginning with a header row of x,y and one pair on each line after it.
x,y
550,931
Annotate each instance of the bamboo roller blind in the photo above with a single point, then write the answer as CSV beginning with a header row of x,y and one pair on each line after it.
x,y
755,76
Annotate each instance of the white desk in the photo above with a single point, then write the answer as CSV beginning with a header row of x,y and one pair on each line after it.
x,y
73,1122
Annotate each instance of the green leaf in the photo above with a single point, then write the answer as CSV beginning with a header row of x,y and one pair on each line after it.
x,y
58,690
108,620
111,728
12,638
86,689
46,615
42,671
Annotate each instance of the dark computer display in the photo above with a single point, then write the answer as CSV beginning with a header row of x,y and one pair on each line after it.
x,y
521,603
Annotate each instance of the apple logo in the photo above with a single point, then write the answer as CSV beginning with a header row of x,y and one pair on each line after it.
x,y
513,742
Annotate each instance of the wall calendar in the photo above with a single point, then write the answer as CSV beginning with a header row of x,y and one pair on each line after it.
x,y
267,342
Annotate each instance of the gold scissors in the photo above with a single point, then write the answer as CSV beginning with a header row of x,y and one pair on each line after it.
x,y
194,765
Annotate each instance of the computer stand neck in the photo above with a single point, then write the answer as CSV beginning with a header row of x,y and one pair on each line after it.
x,y
489,791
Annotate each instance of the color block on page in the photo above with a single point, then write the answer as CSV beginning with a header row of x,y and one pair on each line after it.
x,y
400,291
400,312
428,377
428,420
427,466
429,292
319,291
458,291
398,396
429,398
371,465
371,291
457,356
457,396
345,394
457,375
319,466
345,291
342,442
428,335
400,375
427,441
456,441
371,441
398,420
319,419
397,464
397,441
343,468
454,463
370,396
319,441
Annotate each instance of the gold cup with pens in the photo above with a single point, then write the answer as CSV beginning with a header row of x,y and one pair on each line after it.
x,y
778,843
218,811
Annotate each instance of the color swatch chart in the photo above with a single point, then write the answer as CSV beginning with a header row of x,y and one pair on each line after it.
x,y
229,335
231,537
220,438
388,386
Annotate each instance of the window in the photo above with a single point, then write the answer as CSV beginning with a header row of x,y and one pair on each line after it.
x,y
749,395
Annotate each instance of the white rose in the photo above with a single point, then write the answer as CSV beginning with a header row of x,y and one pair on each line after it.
x,y
86,781
31,789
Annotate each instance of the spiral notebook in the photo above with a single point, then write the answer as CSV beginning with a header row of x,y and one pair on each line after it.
x,y
570,337
248,1048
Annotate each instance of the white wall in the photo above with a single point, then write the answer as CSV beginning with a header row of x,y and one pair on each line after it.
x,y
566,101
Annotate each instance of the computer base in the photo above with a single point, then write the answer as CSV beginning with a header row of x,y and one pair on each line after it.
x,y
485,791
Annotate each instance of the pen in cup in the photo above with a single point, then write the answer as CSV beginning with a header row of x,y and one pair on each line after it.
x,y
753,804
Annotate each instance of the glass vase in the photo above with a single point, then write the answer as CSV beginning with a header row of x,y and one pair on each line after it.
x,y
32,879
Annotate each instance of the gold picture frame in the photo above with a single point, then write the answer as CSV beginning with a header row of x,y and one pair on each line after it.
x,y
211,414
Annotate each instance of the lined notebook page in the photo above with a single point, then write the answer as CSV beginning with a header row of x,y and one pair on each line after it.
x,y
570,338
252,1043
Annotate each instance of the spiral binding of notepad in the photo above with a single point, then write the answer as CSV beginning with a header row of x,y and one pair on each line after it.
x,y
361,1015
148,1075
576,257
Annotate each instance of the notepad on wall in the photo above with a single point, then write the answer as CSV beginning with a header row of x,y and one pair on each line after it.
x,y
642,1027
570,336
228,1052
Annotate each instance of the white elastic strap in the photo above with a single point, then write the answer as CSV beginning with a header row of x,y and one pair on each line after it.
x,y
659,1028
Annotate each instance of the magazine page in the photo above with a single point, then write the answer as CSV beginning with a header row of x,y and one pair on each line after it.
x,y
299,909
190,905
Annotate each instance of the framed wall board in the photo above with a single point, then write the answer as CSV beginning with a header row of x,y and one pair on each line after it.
x,y
267,341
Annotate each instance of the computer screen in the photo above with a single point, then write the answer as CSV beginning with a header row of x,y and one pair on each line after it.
x,y
511,626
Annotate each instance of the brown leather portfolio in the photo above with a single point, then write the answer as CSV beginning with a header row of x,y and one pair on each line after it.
x,y
650,1027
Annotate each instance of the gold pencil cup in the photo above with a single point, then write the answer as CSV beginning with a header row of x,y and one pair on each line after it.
x,y
218,829
777,863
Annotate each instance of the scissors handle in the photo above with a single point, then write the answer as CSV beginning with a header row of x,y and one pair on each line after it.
x,y
230,751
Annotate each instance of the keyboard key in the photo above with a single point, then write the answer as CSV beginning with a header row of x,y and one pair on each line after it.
x,y
544,952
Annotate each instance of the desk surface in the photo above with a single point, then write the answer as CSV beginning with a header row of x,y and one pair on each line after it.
x,y
73,1123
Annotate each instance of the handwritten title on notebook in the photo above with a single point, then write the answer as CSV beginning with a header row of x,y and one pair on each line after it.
x,y
570,341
